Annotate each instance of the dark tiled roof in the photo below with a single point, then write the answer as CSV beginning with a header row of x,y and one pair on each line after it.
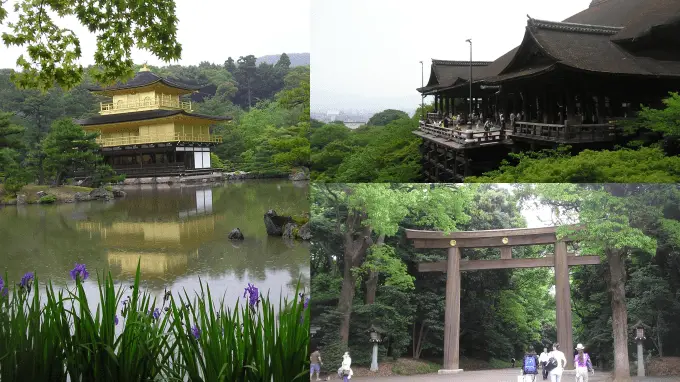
x,y
141,116
637,17
590,48
446,73
525,72
144,78
587,41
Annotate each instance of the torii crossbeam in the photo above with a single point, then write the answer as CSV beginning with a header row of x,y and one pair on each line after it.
x,y
505,239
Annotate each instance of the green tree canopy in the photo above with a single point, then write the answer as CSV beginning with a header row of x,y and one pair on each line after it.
x,y
385,117
53,51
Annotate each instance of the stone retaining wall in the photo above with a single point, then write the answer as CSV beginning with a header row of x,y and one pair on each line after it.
x,y
208,178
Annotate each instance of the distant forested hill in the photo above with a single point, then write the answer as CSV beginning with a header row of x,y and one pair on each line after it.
x,y
296,59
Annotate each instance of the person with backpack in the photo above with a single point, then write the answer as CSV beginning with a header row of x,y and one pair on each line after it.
x,y
543,361
583,364
556,363
530,364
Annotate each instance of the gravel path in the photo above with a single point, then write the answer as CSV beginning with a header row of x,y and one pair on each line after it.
x,y
503,375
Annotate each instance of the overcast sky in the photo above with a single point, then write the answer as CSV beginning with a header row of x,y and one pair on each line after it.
x,y
212,30
367,53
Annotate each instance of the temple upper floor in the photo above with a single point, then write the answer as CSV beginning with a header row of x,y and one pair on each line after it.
x,y
144,100
145,91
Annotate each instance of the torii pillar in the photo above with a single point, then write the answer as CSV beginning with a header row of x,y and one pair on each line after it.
x,y
505,239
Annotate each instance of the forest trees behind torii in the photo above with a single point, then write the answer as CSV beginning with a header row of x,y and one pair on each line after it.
x,y
502,311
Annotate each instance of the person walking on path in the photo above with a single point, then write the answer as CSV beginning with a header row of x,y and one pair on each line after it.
x,y
315,361
583,364
543,360
556,373
345,370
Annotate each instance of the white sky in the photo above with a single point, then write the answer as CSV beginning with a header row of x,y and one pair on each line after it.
x,y
211,30
536,215
367,53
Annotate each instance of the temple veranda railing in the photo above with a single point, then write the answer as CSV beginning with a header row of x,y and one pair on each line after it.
x,y
602,132
465,135
158,138
148,103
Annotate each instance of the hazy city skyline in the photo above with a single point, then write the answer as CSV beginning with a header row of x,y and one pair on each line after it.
x,y
367,53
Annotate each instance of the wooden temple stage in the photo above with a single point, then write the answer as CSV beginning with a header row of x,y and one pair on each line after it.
x,y
453,153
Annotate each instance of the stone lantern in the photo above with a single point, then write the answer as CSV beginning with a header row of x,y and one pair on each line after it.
x,y
376,338
640,338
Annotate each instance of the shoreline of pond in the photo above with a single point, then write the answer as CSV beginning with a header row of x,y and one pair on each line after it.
x,y
67,194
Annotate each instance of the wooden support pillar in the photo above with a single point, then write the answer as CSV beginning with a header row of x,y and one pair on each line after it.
x,y
601,109
466,169
452,313
441,104
563,302
448,105
453,105
455,164
525,106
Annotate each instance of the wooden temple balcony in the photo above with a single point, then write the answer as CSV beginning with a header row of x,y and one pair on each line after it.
x,y
565,133
146,104
462,137
158,138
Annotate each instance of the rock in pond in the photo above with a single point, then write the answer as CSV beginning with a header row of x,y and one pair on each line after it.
x,y
82,197
101,193
290,231
305,232
275,223
40,194
301,174
119,193
236,234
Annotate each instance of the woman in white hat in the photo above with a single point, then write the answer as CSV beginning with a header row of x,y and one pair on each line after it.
x,y
583,364
345,371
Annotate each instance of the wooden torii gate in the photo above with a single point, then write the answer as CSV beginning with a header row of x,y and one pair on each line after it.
x,y
505,239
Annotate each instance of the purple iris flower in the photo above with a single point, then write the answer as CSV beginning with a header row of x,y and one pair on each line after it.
x,y
253,294
26,280
3,291
306,302
156,314
196,332
80,271
115,320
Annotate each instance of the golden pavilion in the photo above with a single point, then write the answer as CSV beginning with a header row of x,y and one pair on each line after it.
x,y
148,130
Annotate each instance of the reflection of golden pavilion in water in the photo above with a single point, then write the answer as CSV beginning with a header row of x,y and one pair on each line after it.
x,y
160,246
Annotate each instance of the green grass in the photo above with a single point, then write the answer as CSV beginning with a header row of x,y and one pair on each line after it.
x,y
414,367
55,335
499,364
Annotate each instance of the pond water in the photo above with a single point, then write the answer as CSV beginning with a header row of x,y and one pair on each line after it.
x,y
177,233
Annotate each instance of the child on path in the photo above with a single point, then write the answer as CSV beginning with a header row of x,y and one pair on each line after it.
x,y
345,371
583,364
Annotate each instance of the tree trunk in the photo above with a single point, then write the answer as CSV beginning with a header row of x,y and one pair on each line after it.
x,y
356,240
617,277
372,281
345,303
419,341
659,325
